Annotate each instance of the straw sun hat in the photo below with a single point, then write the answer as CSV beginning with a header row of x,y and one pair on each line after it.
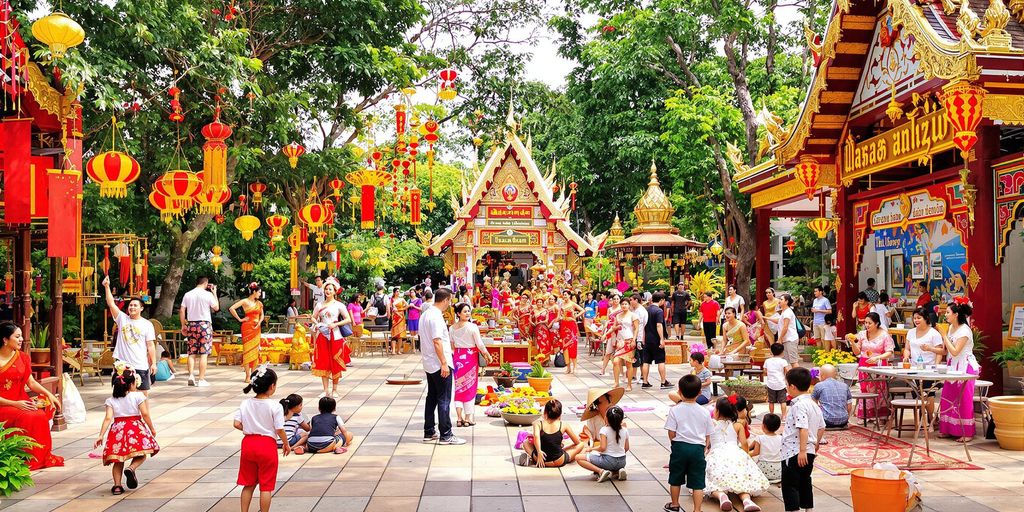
x,y
614,395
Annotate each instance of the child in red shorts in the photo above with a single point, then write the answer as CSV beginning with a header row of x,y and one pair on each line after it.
x,y
262,421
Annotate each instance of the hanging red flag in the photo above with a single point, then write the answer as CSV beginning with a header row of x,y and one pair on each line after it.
x,y
65,193
15,159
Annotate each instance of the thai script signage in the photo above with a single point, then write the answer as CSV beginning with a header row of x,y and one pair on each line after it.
x,y
913,141
509,212
905,209
509,237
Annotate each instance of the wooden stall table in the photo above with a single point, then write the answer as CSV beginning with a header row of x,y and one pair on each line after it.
x,y
514,352
922,381
732,367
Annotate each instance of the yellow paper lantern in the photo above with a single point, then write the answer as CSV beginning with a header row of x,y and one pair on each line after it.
x,y
59,32
248,225
216,259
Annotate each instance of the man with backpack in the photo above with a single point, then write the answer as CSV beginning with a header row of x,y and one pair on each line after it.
x,y
381,303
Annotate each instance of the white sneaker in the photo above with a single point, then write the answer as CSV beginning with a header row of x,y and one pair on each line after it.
x,y
452,440
622,474
203,384
170,378
191,380
605,476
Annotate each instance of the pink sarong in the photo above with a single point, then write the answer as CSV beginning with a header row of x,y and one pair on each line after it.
x,y
465,374
956,408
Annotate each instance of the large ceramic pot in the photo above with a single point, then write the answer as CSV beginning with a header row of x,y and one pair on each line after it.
x,y
1008,415
1015,368
540,383
40,356
521,420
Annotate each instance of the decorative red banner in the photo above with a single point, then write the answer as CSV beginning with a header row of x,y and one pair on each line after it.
x,y
15,160
65,189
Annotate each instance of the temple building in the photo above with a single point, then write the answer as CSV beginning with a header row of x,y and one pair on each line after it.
x,y
908,146
514,219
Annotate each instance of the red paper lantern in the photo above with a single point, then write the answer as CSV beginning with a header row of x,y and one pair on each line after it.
x,y
160,202
964,103
215,154
176,113
314,216
400,118
447,91
211,201
276,223
791,245
336,185
114,171
807,172
257,190
367,180
821,226
293,151
182,188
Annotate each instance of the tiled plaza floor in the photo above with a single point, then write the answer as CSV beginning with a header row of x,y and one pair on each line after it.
x,y
390,469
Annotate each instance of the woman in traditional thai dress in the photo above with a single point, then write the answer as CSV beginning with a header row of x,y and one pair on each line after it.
x,y
467,343
874,347
524,314
569,332
735,334
398,324
861,307
331,350
771,310
17,410
505,298
956,408
251,320
543,318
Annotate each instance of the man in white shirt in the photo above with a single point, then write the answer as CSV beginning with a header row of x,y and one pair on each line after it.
x,y
317,291
136,339
820,307
438,363
197,326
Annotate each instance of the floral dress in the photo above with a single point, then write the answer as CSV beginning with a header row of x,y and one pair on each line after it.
x,y
729,468
881,344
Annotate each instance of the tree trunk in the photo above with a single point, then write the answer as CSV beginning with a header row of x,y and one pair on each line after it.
x,y
181,246
742,88
773,41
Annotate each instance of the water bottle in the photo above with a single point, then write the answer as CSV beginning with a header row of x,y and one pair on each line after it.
x,y
919,362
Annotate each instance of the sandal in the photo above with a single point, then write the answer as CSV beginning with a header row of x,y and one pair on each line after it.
x,y
117,490
670,508
460,423
131,480
468,424
724,502
750,506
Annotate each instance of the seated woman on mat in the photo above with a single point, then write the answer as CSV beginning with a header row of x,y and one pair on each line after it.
x,y
546,440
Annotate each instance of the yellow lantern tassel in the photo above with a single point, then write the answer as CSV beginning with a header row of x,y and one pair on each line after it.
x,y
215,154
294,269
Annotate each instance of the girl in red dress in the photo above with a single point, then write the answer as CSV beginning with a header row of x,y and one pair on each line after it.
x,y
129,429
569,332
544,318
17,410
525,314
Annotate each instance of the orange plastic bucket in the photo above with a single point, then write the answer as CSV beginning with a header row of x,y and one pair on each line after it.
x,y
877,490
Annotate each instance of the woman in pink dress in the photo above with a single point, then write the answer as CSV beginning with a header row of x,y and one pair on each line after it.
x,y
956,408
465,337
874,347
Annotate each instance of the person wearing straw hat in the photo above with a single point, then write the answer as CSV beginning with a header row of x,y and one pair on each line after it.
x,y
598,402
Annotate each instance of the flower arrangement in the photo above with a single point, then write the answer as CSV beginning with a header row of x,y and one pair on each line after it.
x,y
833,357
537,371
507,370
520,405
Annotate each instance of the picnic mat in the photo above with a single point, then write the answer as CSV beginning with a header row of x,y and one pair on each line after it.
x,y
853,448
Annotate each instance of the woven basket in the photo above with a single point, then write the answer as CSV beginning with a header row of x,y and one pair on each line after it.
x,y
753,394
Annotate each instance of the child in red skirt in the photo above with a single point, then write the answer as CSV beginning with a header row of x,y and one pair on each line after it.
x,y
261,419
129,429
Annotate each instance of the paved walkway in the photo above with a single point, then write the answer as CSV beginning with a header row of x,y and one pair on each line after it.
x,y
390,469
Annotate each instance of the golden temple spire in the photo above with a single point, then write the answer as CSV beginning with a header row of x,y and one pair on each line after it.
x,y
616,233
654,210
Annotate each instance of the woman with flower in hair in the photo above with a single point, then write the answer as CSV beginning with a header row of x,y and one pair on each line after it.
x,y
956,409
251,319
17,410
330,350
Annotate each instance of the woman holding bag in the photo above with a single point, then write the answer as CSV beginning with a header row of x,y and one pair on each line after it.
x,y
332,325
469,349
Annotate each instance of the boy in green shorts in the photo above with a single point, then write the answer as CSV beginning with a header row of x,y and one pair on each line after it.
x,y
689,429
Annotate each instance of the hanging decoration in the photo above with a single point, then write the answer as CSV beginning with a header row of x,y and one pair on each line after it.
x,y
447,90
572,194
215,154
211,202
143,282
415,214
216,259
160,202
247,268
276,224
176,115
336,185
807,172
368,180
314,215
257,190
113,170
716,249
821,226
182,189
293,151
400,118
106,260
790,246
124,263
245,223
963,103
59,32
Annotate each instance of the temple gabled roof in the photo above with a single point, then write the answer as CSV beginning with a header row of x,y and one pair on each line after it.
x,y
944,43
541,187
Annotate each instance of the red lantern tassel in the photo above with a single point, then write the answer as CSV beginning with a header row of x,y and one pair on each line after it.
x,y
414,207
366,206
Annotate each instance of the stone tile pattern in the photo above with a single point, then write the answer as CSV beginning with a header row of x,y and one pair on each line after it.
x,y
390,469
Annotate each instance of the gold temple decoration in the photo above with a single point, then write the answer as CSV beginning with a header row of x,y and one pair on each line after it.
x,y
974,278
994,35
654,210
1017,8
775,132
735,157
615,233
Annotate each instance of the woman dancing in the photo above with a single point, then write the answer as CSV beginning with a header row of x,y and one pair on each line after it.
x,y
251,320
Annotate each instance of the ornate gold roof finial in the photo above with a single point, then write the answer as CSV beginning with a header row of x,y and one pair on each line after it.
x,y
616,233
529,143
996,17
510,119
654,210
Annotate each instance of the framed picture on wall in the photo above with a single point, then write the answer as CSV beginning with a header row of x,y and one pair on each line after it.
x,y
918,270
936,266
896,271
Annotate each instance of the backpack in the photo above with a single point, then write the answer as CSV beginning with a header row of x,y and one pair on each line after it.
x,y
378,302
801,331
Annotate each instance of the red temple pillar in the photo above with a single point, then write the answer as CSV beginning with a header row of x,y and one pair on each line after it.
x,y
23,282
763,260
987,296
846,274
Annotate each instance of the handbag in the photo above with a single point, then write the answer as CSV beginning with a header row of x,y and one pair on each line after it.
x,y
559,360
346,330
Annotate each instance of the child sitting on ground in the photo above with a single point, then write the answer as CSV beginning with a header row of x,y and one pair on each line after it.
x,y
766,448
703,375
609,454
544,447
164,367
327,431
296,428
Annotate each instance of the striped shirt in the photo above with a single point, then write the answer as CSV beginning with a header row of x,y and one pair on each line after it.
x,y
291,425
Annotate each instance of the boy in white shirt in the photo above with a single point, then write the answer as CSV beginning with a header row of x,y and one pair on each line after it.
x,y
775,369
804,427
689,429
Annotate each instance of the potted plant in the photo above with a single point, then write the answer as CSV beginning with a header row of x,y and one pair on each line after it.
x,y
1011,358
520,411
506,376
753,390
807,355
41,346
539,378
14,457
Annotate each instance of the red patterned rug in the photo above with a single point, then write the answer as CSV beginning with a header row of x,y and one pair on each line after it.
x,y
854,447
